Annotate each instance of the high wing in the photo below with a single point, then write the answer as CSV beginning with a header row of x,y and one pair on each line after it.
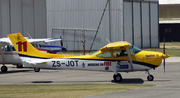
x,y
44,40
119,44
7,41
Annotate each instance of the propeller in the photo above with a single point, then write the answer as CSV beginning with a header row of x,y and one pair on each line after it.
x,y
164,53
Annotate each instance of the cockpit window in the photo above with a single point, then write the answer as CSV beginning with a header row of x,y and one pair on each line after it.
x,y
135,49
119,53
104,54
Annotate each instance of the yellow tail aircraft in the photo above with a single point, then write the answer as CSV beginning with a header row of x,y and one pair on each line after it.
x,y
115,57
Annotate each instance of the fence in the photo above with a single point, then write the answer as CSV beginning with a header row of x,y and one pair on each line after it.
x,y
72,38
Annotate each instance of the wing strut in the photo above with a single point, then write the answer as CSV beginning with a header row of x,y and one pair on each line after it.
x,y
129,56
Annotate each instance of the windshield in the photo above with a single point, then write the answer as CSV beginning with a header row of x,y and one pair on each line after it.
x,y
35,45
93,53
135,49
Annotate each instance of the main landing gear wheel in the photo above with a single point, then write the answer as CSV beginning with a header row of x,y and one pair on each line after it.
x,y
117,78
150,77
4,69
19,66
36,69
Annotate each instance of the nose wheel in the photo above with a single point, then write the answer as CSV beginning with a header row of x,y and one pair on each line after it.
x,y
150,77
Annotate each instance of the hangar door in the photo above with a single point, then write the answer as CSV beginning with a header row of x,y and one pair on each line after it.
x,y
141,23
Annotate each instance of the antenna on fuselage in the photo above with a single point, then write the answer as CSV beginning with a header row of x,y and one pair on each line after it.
x,y
29,35
108,40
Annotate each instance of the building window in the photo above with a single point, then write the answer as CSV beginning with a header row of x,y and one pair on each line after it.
x,y
168,30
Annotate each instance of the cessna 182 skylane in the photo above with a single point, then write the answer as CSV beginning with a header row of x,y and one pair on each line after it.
x,y
116,57
8,54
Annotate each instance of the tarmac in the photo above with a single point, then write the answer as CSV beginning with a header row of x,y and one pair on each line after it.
x,y
167,84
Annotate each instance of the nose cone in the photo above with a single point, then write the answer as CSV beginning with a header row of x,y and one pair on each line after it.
x,y
164,56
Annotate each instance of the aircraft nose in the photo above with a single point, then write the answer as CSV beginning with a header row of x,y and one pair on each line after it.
x,y
164,56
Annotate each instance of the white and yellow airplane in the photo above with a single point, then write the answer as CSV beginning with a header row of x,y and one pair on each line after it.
x,y
114,57
8,54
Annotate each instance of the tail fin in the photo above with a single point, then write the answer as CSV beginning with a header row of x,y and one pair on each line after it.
x,y
26,49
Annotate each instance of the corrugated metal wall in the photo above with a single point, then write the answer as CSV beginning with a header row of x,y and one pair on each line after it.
x,y
85,14
4,18
135,22
23,16
141,23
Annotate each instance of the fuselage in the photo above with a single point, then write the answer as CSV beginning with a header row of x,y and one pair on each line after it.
x,y
105,61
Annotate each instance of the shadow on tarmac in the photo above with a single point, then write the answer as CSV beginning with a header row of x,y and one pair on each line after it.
x,y
15,71
130,81
124,81
41,81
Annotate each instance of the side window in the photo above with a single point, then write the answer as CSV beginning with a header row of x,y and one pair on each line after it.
x,y
12,47
119,53
9,48
132,51
104,54
35,45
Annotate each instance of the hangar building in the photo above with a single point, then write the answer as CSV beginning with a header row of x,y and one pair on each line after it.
x,y
135,21
169,20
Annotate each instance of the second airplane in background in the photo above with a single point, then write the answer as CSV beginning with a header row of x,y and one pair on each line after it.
x,y
8,54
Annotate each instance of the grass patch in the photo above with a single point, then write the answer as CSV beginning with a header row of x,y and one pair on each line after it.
x,y
170,44
63,91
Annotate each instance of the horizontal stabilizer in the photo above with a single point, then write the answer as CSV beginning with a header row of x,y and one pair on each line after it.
x,y
34,62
